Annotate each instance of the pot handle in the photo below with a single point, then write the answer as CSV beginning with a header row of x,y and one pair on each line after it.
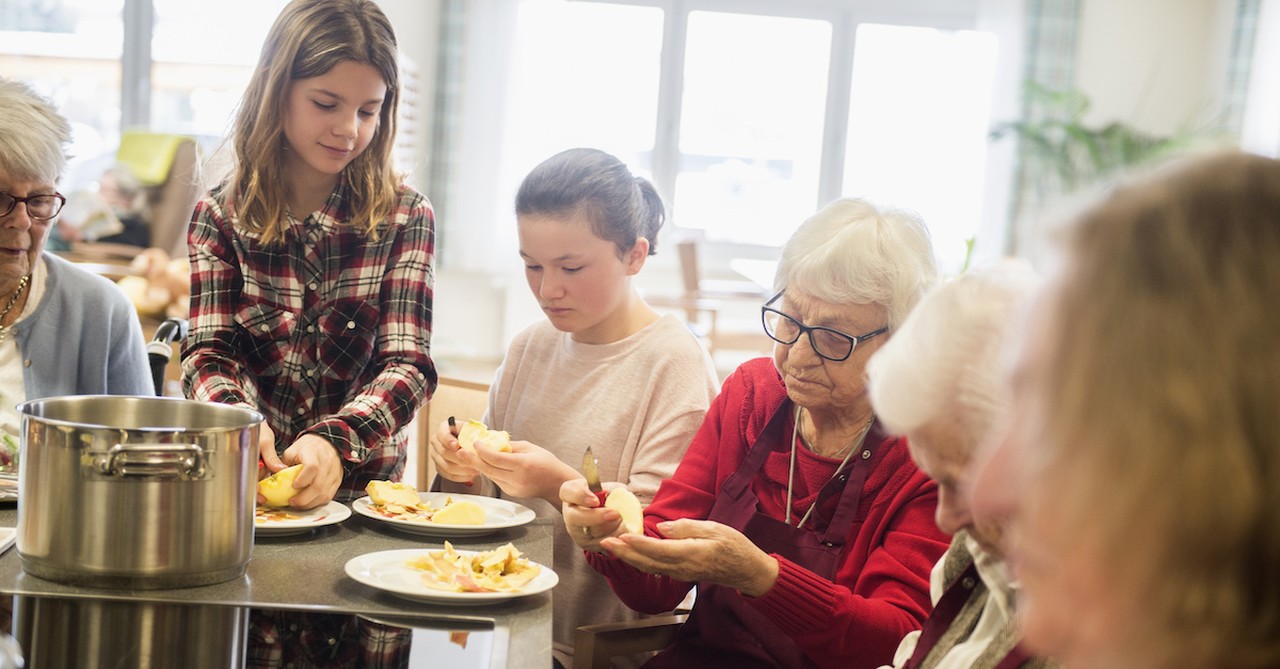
x,y
175,460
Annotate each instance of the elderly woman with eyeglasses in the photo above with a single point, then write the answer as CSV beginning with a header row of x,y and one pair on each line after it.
x,y
806,528
63,330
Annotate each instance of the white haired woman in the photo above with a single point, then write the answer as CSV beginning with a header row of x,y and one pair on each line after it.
x,y
63,331
806,528
940,383
1143,458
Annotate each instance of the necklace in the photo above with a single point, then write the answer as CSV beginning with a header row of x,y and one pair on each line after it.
x,y
4,331
791,474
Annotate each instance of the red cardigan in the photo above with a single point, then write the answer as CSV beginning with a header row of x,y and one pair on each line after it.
x,y
881,590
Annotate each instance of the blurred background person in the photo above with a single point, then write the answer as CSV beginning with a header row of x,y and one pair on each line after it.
x,y
807,528
114,213
940,382
1142,463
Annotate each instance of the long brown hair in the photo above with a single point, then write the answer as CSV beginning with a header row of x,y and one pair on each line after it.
x,y
307,40
1159,392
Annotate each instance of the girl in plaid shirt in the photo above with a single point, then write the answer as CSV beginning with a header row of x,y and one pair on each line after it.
x,y
311,288
312,264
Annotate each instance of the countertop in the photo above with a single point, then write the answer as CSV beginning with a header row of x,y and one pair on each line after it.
x,y
305,572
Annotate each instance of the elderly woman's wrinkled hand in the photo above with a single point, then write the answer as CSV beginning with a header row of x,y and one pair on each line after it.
x,y
585,519
699,550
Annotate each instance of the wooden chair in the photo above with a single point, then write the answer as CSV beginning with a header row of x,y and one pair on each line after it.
x,y
595,646
453,397
707,298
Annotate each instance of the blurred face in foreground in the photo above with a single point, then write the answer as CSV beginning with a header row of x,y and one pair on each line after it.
x,y
942,450
1068,607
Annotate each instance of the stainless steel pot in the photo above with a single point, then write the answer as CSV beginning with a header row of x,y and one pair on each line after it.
x,y
136,492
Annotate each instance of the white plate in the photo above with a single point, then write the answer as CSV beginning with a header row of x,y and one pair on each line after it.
x,y
329,514
389,571
499,514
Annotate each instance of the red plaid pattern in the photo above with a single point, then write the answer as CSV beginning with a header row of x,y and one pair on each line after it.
x,y
327,333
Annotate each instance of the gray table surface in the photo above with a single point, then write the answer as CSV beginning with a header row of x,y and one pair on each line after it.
x,y
279,564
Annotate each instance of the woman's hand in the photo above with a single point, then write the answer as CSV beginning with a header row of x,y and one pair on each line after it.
x,y
585,519
447,456
528,470
698,550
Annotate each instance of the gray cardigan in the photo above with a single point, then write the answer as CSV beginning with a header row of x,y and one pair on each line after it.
x,y
82,339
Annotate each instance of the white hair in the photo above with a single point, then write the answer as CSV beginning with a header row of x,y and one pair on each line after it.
x,y
945,360
853,251
33,135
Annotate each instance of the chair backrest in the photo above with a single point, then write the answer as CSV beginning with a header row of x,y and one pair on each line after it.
x,y
687,252
167,166
453,397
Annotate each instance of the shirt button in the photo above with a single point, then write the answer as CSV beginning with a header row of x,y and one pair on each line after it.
x,y
293,628
967,584
333,642
28,362
301,410
866,454
312,285
311,328
351,325
264,327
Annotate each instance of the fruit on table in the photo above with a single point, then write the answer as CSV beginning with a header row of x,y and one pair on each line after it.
x,y
474,431
628,506
459,512
278,488
392,492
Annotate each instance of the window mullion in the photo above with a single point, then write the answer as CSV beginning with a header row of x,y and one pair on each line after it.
x,y
135,65
666,143
836,121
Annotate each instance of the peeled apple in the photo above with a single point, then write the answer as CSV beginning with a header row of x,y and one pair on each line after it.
x,y
278,488
628,506
392,492
474,431
460,513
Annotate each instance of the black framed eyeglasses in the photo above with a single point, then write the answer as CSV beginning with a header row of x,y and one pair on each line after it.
x,y
39,207
828,343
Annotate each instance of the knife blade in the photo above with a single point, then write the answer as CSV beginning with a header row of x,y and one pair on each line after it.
x,y
592,474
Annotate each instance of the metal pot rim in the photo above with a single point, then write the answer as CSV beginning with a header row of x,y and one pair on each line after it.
x,y
250,417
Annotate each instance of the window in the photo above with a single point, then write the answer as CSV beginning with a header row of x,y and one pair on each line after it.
x,y
918,124
750,124
69,51
747,115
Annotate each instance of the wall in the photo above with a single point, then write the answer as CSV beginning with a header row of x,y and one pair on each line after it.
x,y
1154,64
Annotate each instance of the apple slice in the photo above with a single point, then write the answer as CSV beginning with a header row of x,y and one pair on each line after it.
x,y
628,506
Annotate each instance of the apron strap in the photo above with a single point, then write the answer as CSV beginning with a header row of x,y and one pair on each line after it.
x,y
847,510
741,478
1017,655
944,612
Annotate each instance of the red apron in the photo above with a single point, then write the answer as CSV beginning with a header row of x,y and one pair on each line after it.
x,y
724,629
946,610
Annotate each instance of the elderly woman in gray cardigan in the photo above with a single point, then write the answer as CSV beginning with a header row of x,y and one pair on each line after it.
x,y
63,331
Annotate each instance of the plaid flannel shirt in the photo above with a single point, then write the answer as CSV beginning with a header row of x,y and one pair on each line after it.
x,y
327,333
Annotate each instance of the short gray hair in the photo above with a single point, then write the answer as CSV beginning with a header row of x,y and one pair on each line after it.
x,y
945,360
33,135
853,251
